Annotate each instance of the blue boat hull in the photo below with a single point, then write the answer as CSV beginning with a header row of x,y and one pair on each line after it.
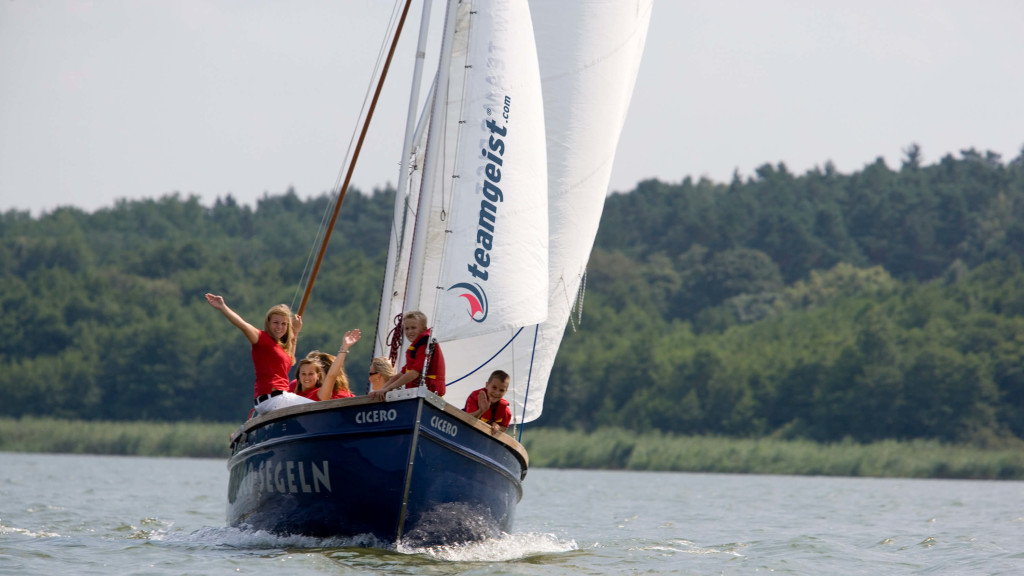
x,y
411,469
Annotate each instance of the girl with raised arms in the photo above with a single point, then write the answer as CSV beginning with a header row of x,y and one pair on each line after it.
x,y
273,353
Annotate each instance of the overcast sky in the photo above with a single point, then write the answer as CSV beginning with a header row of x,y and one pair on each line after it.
x,y
101,100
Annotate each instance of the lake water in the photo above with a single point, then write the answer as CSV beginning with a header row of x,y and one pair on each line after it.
x,y
62,514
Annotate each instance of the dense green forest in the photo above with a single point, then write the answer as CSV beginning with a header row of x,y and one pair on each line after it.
x,y
883,304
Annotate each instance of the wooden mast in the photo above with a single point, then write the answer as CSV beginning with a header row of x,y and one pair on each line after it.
x,y
352,164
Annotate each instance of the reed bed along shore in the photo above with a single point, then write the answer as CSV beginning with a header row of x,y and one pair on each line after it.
x,y
184,439
608,449
624,450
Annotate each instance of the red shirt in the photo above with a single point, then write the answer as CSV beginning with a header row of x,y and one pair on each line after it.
x,y
500,412
414,358
311,393
271,363
314,394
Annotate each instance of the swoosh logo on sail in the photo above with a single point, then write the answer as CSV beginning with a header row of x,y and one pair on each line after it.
x,y
475,296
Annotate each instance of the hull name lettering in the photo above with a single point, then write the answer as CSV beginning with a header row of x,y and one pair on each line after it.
x,y
444,426
371,416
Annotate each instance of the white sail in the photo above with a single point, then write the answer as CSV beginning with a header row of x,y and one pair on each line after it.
x,y
481,237
589,52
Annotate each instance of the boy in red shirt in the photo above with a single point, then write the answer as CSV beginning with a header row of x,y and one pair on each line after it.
x,y
489,404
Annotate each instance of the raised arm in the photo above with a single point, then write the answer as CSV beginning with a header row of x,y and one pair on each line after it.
x,y
338,367
482,403
296,328
251,332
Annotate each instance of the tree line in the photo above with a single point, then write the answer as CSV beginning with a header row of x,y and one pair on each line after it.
x,y
878,304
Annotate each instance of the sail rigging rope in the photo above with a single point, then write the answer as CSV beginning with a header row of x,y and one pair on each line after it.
x,y
308,267
529,381
487,361
447,185
365,125
321,231
394,340
578,303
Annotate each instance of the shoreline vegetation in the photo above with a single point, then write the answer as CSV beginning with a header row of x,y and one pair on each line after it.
x,y
880,304
606,449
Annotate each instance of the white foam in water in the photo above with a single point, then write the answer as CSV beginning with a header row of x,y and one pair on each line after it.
x,y
502,548
241,538
5,530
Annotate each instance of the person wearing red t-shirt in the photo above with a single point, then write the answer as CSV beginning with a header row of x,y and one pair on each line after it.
x,y
309,375
336,373
414,325
273,353
320,367
489,404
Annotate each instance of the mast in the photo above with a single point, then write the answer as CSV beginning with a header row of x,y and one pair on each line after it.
x,y
352,165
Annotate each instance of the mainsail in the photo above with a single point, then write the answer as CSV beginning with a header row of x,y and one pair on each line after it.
x,y
485,252
479,260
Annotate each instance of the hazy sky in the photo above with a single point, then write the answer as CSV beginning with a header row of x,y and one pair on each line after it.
x,y
102,100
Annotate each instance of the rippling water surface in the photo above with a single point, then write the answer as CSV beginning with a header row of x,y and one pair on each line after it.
x,y
63,514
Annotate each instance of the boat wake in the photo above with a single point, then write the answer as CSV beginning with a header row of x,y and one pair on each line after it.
x,y
249,539
499,549
502,547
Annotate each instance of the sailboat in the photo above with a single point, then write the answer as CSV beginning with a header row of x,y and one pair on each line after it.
x,y
503,183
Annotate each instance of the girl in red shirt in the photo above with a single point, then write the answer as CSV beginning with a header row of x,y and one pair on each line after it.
x,y
273,353
336,373
308,376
